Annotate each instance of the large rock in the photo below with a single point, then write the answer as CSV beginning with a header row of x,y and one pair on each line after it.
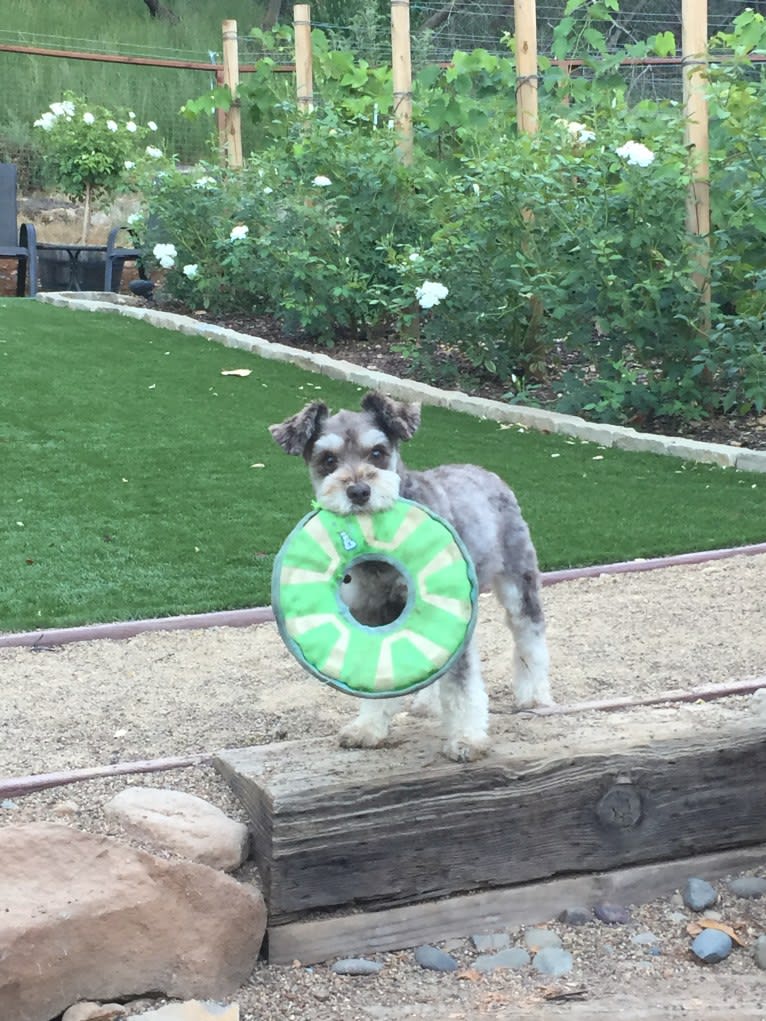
x,y
87,918
183,823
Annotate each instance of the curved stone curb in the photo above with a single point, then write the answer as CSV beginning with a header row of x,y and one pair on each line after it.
x,y
264,614
621,437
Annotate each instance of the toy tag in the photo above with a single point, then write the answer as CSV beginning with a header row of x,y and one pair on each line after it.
x,y
348,542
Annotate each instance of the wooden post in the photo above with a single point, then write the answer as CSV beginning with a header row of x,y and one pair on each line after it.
x,y
231,142
694,16
401,63
304,79
526,66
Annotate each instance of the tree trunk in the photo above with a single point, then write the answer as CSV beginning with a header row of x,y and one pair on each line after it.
x,y
159,10
271,15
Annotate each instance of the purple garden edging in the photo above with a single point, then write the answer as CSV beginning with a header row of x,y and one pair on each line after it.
x,y
264,614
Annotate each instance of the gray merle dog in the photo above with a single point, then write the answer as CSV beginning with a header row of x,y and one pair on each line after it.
x,y
355,467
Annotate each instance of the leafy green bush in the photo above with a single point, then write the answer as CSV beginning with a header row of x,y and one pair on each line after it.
x,y
512,252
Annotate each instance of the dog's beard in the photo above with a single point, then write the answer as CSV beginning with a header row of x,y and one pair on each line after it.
x,y
384,492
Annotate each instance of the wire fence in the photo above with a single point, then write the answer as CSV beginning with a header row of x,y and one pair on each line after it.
x,y
158,80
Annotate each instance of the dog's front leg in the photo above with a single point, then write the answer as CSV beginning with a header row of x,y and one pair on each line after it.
x,y
465,708
371,726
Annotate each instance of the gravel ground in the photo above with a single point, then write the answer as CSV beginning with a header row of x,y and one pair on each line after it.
x,y
176,693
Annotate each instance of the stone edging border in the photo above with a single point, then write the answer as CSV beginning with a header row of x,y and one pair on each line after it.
x,y
621,437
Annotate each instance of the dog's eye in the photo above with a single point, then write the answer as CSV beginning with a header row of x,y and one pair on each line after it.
x,y
329,461
377,454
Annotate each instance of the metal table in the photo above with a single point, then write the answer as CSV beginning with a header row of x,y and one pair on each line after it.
x,y
76,264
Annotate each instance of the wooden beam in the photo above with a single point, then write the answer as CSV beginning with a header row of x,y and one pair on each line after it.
x,y
526,66
371,932
232,124
401,65
304,74
694,16
387,827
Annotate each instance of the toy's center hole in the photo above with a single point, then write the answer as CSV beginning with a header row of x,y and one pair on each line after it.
x,y
375,592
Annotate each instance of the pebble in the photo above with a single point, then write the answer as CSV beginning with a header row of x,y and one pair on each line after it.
x,y
645,939
6,803
748,886
677,916
712,946
539,939
553,961
612,914
434,959
484,942
698,894
759,952
514,958
576,916
356,966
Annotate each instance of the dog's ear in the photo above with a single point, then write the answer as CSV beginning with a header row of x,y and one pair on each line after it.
x,y
395,418
295,434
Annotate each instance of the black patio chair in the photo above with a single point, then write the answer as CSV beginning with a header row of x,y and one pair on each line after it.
x,y
16,243
117,256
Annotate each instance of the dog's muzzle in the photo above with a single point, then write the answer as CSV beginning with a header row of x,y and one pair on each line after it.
x,y
358,493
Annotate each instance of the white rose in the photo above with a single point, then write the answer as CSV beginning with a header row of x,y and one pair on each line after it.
x,y
191,270
239,232
430,293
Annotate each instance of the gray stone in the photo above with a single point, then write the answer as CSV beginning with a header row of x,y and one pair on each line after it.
x,y
748,886
356,966
192,1010
645,939
759,951
434,959
553,961
94,1012
129,922
485,942
183,823
576,916
612,914
539,939
698,894
514,958
712,946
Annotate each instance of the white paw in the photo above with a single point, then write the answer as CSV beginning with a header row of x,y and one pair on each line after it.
x,y
465,749
533,696
361,734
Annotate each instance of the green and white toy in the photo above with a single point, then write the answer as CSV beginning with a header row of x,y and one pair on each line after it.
x,y
375,662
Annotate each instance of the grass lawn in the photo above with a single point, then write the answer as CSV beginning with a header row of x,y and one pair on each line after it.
x,y
137,481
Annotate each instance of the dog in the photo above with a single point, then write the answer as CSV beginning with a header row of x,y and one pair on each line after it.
x,y
355,467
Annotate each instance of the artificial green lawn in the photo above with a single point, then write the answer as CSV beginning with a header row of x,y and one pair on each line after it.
x,y
137,481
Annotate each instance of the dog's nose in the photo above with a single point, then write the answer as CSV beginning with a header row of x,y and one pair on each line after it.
x,y
358,493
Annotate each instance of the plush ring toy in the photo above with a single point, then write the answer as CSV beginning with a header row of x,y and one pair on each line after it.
x,y
436,617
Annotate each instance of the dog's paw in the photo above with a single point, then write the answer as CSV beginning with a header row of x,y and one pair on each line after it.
x,y
360,734
533,696
465,749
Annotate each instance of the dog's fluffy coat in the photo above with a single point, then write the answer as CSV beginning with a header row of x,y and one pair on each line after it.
x,y
355,467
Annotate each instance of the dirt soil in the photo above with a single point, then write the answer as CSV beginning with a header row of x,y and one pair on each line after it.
x,y
180,692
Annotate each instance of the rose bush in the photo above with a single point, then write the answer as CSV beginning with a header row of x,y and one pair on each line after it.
x,y
89,151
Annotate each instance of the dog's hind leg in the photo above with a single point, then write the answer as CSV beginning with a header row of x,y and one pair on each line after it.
x,y
465,708
524,613
370,727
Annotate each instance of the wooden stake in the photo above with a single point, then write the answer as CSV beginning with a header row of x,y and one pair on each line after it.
x,y
526,66
231,142
304,77
694,16
401,63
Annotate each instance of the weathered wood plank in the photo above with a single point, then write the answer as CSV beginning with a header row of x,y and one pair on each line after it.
x,y
338,828
491,911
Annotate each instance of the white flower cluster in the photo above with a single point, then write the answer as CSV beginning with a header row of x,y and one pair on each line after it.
x,y
321,181
204,182
579,132
430,293
165,255
636,153
240,232
191,270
